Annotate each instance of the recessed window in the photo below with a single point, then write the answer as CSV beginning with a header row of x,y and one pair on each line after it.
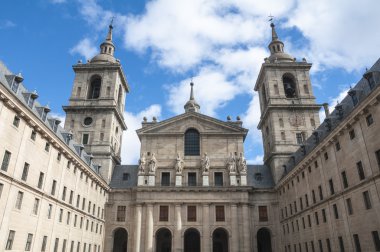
x,y
331,184
320,193
289,86
337,146
344,179
336,214
44,242
192,179
218,176
341,244
263,213
85,138
25,172
352,134
164,213
367,200
219,213
324,215
53,187
36,205
6,159
369,119
94,89
376,240
299,137
191,213
11,237
126,176
33,135
349,206
326,155
20,196
16,121
121,211
357,243
47,147
165,179
192,145
87,121
360,169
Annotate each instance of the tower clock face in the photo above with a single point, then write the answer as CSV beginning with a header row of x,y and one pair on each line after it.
x,y
296,120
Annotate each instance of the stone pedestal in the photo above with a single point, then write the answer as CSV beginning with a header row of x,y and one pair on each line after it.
x,y
243,179
233,179
140,180
151,180
205,181
178,180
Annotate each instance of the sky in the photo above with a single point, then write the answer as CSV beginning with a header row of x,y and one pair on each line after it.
x,y
162,44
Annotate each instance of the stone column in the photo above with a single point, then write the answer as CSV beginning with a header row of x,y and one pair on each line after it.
x,y
246,233
138,227
149,228
206,228
178,228
235,229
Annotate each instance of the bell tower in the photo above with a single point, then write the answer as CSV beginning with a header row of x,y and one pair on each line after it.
x,y
289,113
96,106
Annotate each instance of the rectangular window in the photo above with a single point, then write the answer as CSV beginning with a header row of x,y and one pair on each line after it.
x,y
337,146
60,215
164,213
328,245
191,213
71,197
59,155
331,184
50,209
320,192
320,245
377,154
72,246
20,195
16,121
28,242
344,179
53,187
11,237
81,222
47,147
326,155
263,213
312,246
359,166
75,220
85,138
36,205
78,200
1,189
192,179
83,203
25,172
349,206
64,193
367,200
307,200
121,210
165,179
68,218
56,244
219,213
341,244
316,218
43,246
309,220
313,194
40,180
33,135
78,246
126,176
369,120
352,134
336,211
301,204
324,215
218,176
357,243
6,159
376,240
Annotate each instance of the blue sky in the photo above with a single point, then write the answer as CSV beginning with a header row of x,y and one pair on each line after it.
x,y
163,43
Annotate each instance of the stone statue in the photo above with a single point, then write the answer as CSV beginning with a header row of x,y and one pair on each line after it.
x,y
152,163
178,164
205,163
142,162
242,163
231,163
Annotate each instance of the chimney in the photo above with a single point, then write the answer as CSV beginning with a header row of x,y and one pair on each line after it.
x,y
326,108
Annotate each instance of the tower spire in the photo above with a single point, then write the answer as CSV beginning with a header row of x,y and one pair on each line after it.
x,y
276,48
107,49
109,35
274,33
191,105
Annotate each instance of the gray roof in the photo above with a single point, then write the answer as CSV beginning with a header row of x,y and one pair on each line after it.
x,y
361,91
258,176
23,95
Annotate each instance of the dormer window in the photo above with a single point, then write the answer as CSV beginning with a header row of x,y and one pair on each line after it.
x,y
15,85
354,97
30,102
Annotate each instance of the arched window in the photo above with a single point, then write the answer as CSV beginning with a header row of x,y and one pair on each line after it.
x,y
289,86
163,240
120,240
192,142
220,240
264,243
192,240
94,89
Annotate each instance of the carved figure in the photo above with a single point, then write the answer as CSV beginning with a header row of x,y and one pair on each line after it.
x,y
242,163
142,163
178,164
205,163
231,163
152,163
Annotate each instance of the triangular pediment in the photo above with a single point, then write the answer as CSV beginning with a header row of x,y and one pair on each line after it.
x,y
204,124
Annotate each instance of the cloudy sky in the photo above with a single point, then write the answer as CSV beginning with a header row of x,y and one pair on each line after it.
x,y
163,43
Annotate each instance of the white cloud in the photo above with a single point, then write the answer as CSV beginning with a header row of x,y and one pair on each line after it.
x,y
333,102
61,117
130,151
256,160
7,24
58,1
251,119
85,48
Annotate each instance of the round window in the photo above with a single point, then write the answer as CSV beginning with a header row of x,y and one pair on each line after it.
x,y
87,121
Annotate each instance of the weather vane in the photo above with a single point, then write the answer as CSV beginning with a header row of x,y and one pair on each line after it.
x,y
270,18
112,20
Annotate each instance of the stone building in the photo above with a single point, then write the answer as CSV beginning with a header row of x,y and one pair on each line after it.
x,y
192,189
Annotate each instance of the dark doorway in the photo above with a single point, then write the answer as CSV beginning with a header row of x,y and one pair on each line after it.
x,y
163,240
220,240
263,240
192,240
120,240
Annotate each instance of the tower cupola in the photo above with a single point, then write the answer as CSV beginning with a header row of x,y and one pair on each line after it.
x,y
107,49
192,105
276,48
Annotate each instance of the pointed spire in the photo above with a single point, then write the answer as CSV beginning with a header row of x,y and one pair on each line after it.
x,y
274,33
107,49
191,105
109,35
276,48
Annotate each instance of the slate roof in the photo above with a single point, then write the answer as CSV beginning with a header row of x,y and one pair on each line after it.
x,y
361,90
258,176
22,94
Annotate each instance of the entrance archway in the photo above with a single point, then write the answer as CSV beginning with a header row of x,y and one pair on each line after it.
x,y
192,240
220,240
163,240
264,243
120,240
